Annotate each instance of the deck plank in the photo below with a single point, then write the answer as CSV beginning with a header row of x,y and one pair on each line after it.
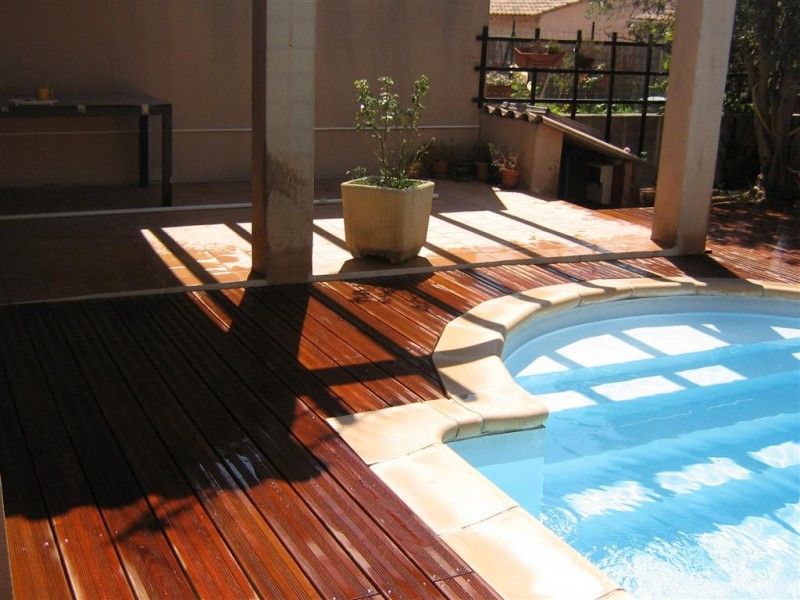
x,y
149,562
204,555
372,506
225,410
89,557
34,556
163,381
391,364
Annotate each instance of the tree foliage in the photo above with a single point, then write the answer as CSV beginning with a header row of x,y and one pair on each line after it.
x,y
766,46
393,127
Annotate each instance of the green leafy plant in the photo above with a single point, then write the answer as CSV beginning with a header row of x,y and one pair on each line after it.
x,y
394,128
501,160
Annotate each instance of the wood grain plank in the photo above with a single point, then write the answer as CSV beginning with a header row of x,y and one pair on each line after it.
x,y
411,349
349,473
390,363
369,546
212,407
262,556
343,346
205,557
467,587
90,559
35,560
147,557
301,355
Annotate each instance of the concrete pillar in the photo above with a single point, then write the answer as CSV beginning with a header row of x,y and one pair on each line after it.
x,y
283,138
691,123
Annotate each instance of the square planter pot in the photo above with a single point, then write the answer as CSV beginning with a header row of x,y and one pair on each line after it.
x,y
386,222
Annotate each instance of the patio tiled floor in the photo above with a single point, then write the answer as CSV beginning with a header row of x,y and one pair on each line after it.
x,y
46,258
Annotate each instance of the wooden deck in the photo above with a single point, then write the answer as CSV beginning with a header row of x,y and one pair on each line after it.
x,y
174,445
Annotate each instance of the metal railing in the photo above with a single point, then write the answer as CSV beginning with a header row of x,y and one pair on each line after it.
x,y
580,68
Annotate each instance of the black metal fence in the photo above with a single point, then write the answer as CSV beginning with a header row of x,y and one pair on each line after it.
x,y
597,76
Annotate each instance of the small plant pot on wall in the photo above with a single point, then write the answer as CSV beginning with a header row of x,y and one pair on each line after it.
x,y
509,178
386,222
536,59
493,90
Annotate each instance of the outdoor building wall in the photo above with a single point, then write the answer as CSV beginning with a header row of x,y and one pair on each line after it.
x,y
401,38
194,54
197,55
564,22
522,25
537,148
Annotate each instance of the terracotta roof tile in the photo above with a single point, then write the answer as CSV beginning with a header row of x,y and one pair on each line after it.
x,y
526,7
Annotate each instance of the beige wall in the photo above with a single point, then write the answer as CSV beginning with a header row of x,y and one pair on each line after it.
x,y
401,38
196,54
564,22
522,25
537,148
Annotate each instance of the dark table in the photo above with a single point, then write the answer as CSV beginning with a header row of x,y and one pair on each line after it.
x,y
112,106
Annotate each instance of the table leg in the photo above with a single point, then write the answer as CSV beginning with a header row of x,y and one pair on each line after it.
x,y
144,151
166,157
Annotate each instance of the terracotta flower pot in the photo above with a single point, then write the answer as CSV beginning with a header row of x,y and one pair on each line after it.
x,y
536,60
509,178
482,171
495,90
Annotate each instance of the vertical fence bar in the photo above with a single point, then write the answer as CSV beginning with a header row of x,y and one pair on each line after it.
x,y
613,68
643,121
482,73
533,76
574,108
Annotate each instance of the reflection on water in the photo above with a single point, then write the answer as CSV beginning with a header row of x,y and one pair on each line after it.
x,y
672,452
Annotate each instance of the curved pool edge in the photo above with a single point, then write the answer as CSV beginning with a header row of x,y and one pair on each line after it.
x,y
405,445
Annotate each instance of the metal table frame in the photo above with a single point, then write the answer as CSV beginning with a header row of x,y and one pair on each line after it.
x,y
113,106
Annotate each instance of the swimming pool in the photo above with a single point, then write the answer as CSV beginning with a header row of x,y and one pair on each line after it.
x,y
671,455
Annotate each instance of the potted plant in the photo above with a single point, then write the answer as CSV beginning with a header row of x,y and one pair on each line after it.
x,y
482,160
506,84
506,165
539,55
439,156
387,214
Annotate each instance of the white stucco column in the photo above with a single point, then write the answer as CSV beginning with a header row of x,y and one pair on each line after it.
x,y
283,138
691,123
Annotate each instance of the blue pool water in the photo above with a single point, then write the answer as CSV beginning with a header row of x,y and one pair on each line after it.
x,y
671,456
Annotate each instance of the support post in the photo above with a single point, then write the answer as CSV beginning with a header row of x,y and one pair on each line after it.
x,y
612,68
283,139
144,150
645,94
691,124
575,75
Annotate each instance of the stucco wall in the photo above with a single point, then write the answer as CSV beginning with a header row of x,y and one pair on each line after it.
x,y
401,38
522,25
537,148
565,21
196,54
